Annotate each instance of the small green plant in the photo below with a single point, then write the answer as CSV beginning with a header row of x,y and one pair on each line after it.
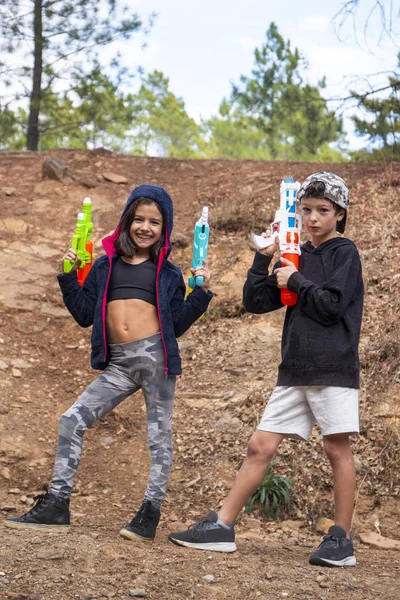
x,y
274,494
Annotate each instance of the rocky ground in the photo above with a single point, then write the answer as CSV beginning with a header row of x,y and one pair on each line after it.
x,y
230,361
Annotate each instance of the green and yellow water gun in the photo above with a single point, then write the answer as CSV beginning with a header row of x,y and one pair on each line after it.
x,y
81,242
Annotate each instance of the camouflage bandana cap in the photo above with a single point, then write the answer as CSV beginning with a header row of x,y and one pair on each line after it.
x,y
336,190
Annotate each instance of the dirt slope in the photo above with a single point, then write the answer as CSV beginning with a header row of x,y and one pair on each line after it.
x,y
230,361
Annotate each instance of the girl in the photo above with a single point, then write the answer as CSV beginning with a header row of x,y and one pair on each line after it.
x,y
134,298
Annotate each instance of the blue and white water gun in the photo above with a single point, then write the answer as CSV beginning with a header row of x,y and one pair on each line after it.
x,y
200,247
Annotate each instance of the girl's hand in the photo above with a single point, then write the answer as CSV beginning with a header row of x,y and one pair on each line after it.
x,y
283,273
270,251
72,256
203,272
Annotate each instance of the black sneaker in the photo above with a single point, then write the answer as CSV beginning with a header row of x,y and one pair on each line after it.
x,y
49,513
206,535
144,524
335,550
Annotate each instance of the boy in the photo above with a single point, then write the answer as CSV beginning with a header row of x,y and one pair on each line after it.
x,y
318,378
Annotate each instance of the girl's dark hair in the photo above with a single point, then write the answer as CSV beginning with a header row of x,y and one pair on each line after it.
x,y
124,245
316,189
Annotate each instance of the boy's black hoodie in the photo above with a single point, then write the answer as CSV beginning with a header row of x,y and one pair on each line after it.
x,y
322,331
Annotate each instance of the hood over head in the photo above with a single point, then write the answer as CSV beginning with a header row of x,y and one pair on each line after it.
x,y
162,198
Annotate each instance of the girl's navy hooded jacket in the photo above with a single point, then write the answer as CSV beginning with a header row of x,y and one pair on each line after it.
x,y
321,332
88,304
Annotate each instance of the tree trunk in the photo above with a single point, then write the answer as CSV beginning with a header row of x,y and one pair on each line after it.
x,y
32,141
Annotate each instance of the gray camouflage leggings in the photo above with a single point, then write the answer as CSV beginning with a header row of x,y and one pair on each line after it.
x,y
133,365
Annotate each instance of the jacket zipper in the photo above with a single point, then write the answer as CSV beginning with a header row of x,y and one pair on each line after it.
x,y
160,261
104,305
104,308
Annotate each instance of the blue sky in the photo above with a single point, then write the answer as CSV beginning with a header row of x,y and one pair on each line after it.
x,y
204,45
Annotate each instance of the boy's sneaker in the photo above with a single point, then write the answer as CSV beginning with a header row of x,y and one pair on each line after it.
x,y
144,524
206,535
335,550
49,513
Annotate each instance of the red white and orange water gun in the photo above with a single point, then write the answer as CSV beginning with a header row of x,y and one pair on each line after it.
x,y
286,226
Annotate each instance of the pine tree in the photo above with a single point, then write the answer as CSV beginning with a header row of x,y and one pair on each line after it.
x,y
382,122
61,36
291,113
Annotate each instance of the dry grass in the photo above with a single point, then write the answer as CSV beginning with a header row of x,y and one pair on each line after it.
x,y
236,215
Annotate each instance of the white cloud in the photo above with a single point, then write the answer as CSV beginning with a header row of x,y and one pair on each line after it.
x,y
340,63
248,43
314,24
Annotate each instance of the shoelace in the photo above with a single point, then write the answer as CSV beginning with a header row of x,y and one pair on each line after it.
x,y
143,515
333,541
38,500
200,526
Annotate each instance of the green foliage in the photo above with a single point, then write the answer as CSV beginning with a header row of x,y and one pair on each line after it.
x,y
328,153
162,121
66,39
70,35
385,124
58,125
291,114
12,128
103,114
271,115
232,134
382,122
384,154
274,495
93,114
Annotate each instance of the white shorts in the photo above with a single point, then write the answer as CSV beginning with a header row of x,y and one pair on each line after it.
x,y
292,411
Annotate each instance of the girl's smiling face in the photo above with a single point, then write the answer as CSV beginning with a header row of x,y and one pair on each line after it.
x,y
146,227
320,218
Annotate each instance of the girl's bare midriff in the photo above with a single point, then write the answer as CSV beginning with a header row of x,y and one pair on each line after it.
x,y
130,320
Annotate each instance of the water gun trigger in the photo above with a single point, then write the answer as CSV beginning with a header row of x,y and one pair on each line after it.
x,y
69,266
262,242
195,281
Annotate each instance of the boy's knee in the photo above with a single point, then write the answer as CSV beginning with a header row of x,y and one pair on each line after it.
x,y
260,446
337,446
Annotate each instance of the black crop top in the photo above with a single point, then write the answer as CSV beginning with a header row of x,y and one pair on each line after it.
x,y
133,281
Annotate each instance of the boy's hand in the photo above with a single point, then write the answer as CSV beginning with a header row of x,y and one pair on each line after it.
x,y
270,251
72,256
203,271
283,273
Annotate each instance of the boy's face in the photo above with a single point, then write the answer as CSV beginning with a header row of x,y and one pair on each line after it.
x,y
319,219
